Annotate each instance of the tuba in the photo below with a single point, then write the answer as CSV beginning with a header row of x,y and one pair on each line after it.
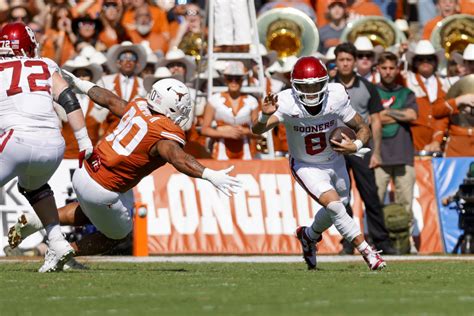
x,y
193,44
288,31
453,33
380,31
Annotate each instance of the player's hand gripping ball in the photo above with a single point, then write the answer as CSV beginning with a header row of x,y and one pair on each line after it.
x,y
336,134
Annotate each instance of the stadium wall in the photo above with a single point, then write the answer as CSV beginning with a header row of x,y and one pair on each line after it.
x,y
188,216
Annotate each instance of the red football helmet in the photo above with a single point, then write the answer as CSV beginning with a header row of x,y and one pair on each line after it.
x,y
309,80
18,39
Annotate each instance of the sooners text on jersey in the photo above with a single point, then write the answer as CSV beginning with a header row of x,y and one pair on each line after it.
x,y
308,136
125,154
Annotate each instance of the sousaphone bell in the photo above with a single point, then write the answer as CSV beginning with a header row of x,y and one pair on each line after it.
x,y
453,33
288,31
379,30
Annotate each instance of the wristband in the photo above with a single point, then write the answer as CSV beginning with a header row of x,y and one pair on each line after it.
x,y
263,118
358,144
83,139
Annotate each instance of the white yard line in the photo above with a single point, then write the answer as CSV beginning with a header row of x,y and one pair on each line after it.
x,y
244,259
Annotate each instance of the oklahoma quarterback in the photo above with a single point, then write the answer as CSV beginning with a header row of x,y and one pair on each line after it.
x,y
310,111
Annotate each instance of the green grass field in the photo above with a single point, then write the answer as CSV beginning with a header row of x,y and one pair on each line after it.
x,y
404,288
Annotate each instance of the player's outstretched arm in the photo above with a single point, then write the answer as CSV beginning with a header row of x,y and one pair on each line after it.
x,y
266,120
100,96
64,96
108,99
187,164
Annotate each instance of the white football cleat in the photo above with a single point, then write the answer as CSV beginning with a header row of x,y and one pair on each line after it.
x,y
373,259
58,253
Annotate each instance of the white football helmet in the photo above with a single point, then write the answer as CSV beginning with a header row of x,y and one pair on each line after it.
x,y
171,98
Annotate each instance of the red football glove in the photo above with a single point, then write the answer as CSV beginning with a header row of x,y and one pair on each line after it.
x,y
93,160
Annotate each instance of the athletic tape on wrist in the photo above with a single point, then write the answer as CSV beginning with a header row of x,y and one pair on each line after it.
x,y
358,144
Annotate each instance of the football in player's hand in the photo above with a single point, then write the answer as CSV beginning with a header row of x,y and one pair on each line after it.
x,y
336,134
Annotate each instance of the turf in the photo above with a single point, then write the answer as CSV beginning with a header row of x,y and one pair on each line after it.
x,y
404,288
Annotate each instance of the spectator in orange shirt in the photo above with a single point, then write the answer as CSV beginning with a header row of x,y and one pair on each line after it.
x,y
330,34
143,31
113,32
160,21
59,37
361,8
427,131
446,8
173,13
466,7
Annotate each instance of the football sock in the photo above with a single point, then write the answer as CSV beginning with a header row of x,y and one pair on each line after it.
x,y
344,223
362,246
322,221
53,231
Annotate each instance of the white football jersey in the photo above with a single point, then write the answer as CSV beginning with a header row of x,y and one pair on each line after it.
x,y
308,135
26,101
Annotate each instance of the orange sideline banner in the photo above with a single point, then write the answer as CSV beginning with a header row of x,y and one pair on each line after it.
x,y
189,216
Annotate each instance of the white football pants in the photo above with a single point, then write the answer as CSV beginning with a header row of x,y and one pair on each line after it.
x,y
109,211
33,157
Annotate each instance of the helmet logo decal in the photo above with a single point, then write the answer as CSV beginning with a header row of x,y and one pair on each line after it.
x,y
179,94
31,34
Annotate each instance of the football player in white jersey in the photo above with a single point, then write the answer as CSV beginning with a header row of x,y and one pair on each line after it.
x,y
31,144
310,111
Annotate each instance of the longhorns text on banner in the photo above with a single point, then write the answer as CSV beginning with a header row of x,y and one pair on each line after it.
x,y
268,204
190,216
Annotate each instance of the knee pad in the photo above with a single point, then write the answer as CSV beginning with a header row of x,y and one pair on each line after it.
x,y
37,195
346,226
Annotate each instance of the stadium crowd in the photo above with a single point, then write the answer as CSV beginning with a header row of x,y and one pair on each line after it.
x,y
400,91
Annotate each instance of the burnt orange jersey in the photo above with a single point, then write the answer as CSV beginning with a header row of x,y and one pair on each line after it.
x,y
125,153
